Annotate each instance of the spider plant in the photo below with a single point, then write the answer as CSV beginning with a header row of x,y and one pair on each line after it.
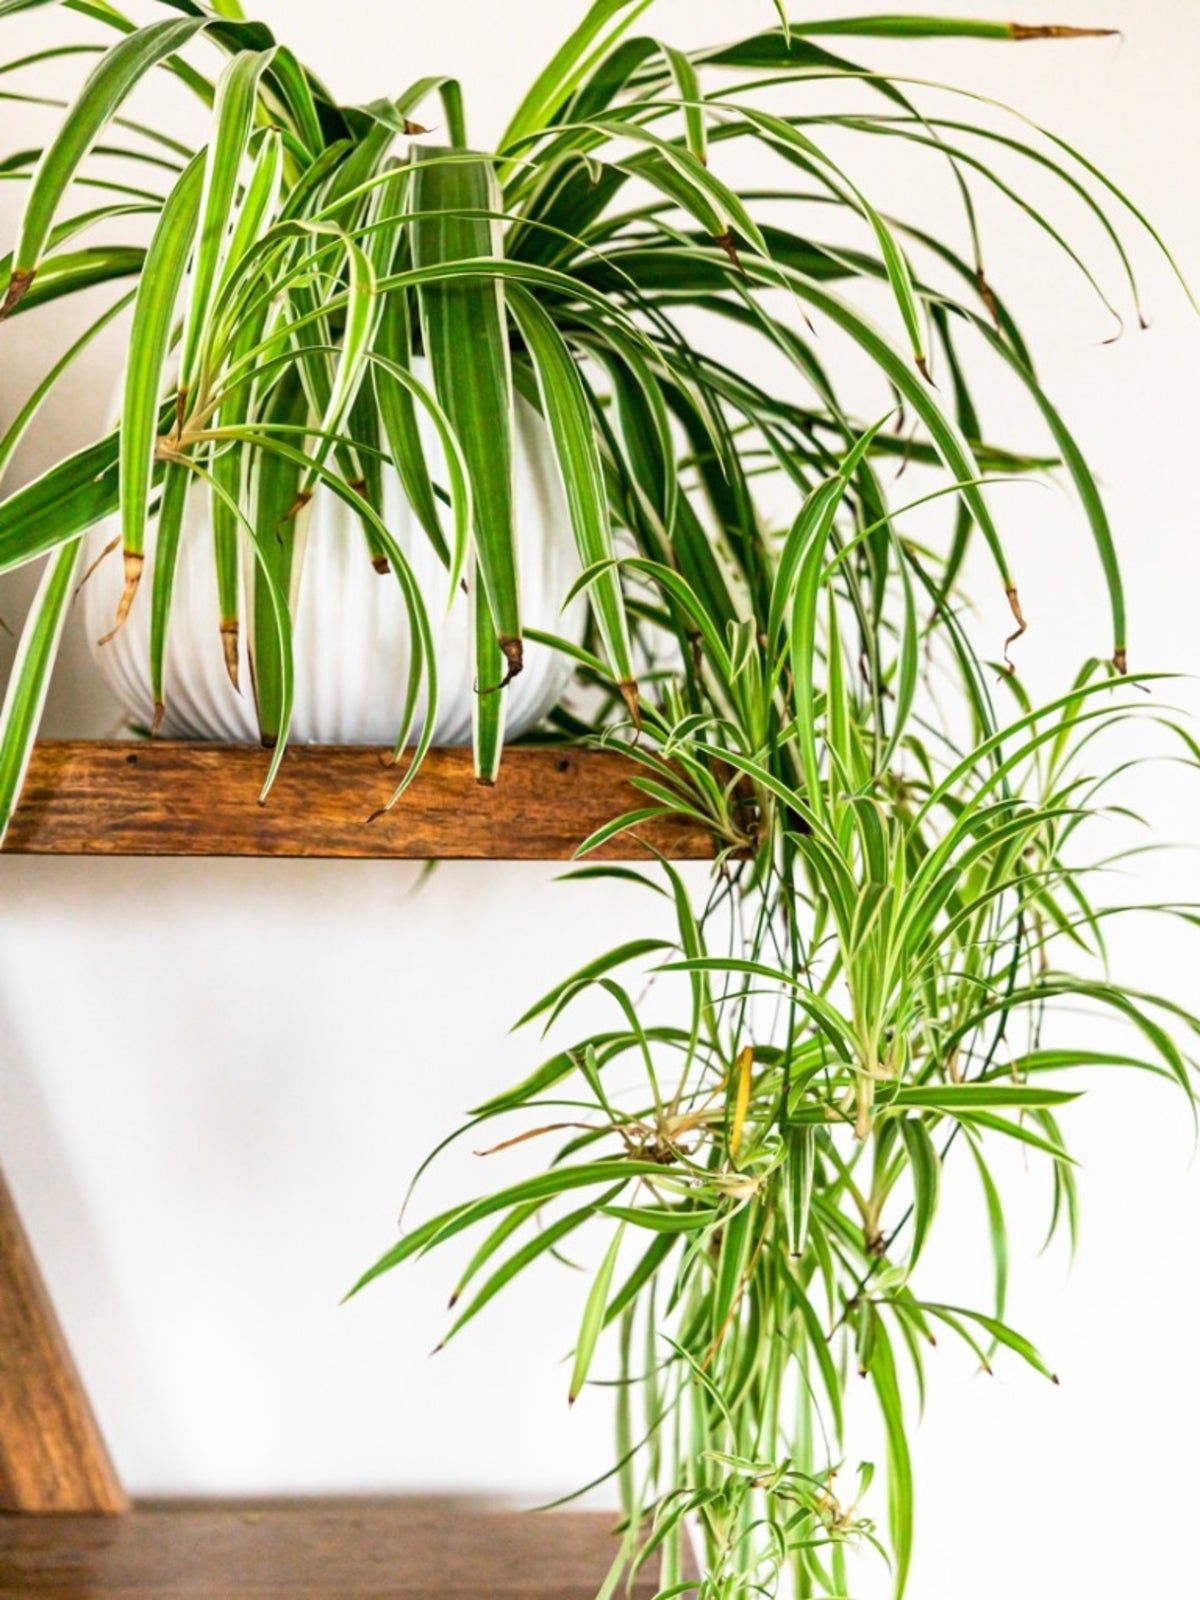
x,y
903,901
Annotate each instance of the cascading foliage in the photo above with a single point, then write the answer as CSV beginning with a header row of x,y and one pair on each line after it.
x,y
888,967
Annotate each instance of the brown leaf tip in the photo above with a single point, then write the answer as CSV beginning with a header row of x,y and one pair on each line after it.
x,y
229,644
729,244
513,651
1014,603
986,295
1049,30
134,563
633,703
297,505
18,288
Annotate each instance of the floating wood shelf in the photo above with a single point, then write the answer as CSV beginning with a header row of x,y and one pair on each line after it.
x,y
309,1550
156,798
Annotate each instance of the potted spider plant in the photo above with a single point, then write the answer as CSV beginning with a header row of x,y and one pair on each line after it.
x,y
368,361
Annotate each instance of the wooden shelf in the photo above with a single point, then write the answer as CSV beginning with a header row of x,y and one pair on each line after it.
x,y
156,798
310,1550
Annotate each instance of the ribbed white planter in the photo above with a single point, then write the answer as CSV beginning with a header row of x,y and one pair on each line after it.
x,y
352,640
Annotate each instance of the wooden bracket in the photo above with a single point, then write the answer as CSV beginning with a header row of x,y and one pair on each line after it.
x,y
52,1457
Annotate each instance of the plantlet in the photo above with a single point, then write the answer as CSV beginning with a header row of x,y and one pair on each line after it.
x,y
905,893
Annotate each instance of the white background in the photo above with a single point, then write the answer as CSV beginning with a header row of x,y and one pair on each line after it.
x,y
215,1079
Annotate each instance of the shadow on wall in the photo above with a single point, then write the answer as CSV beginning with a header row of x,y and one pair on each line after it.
x,y
70,1242
167,1152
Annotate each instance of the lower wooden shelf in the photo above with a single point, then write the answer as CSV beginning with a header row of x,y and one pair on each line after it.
x,y
309,1550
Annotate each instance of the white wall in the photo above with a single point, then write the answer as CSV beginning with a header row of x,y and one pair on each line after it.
x,y
216,1078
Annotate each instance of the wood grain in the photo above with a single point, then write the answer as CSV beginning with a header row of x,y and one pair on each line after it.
x,y
52,1458
349,1550
121,798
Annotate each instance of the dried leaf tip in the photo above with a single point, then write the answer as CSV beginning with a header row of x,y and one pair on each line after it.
x,y
1050,30
988,298
1014,602
297,505
113,544
1120,663
633,703
229,644
156,720
18,287
382,566
134,563
513,651
923,368
413,130
729,245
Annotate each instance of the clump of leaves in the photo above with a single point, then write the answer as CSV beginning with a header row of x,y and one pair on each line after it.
x,y
903,896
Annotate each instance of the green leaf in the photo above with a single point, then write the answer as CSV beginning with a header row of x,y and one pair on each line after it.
x,y
632,950
449,1223
22,421
489,704
665,1219
999,1331
397,402
971,1097
149,340
569,65
593,1316
572,428
277,485
899,1461
177,481
71,271
107,86
801,1175
546,1239
29,679
926,1174
466,340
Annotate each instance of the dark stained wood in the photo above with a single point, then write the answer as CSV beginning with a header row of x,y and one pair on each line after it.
x,y
121,798
52,1458
309,1550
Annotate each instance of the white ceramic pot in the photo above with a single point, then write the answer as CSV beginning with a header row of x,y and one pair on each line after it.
x,y
351,630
